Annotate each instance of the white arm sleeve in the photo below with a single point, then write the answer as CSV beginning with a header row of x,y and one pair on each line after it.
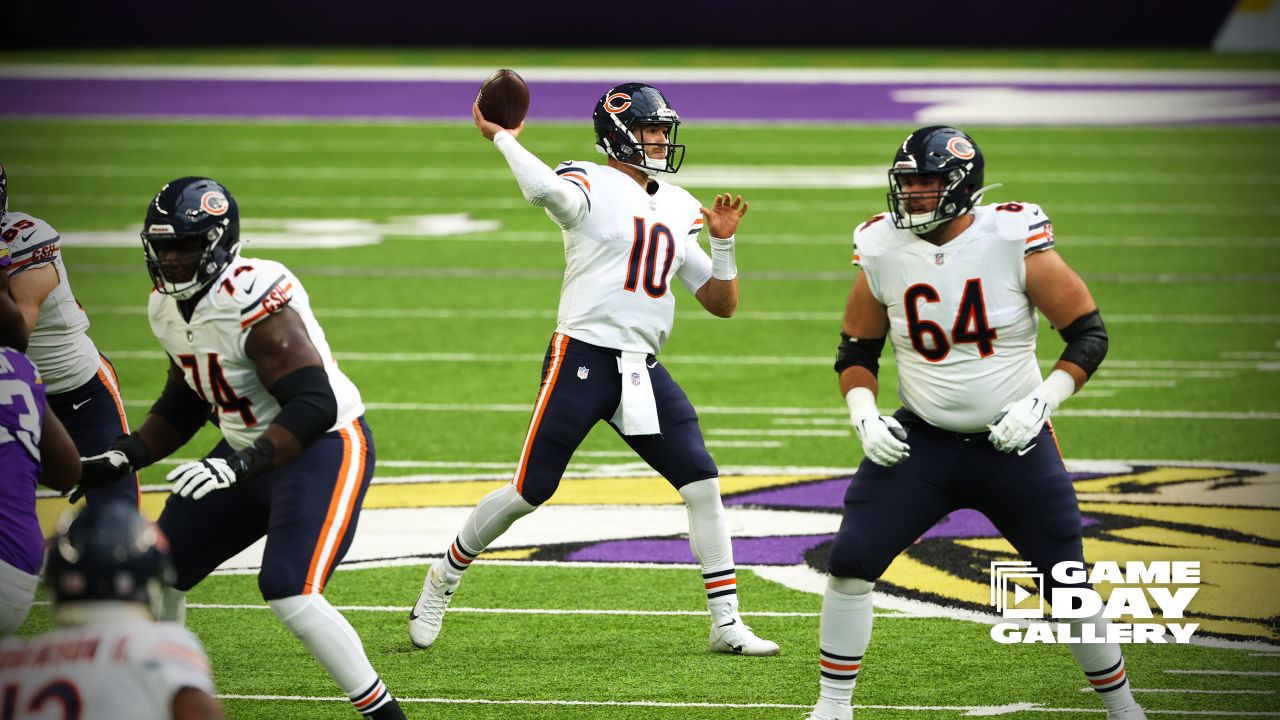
x,y
696,270
562,200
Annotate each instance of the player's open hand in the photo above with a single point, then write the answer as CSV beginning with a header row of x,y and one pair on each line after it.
x,y
490,129
201,477
725,214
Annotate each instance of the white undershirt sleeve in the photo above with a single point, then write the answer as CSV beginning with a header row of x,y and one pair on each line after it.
x,y
564,202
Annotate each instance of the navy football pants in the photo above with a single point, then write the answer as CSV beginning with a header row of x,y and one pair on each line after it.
x,y
308,509
93,415
581,386
1029,498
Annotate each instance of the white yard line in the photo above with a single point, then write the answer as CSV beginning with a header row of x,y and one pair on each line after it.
x,y
1244,415
1243,673
968,710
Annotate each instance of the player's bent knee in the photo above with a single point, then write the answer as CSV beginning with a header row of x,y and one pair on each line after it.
x,y
704,492
276,583
850,585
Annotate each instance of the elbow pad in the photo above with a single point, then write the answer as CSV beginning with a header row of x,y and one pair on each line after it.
x,y
1086,340
856,351
181,407
308,407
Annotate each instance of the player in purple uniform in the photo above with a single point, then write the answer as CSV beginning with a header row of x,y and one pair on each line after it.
x,y
28,433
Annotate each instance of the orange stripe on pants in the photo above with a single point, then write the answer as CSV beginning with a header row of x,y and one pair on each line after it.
x,y
553,371
107,376
326,541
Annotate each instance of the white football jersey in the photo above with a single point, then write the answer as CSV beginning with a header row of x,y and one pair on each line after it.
x,y
59,345
210,349
962,326
620,257
108,671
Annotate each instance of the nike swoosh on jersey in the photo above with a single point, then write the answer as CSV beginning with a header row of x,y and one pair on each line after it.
x,y
77,406
1027,449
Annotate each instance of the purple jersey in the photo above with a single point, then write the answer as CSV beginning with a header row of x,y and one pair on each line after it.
x,y
22,407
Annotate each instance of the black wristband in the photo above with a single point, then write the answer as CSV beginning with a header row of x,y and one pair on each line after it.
x,y
134,449
253,460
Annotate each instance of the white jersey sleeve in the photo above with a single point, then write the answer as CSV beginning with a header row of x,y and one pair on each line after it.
x,y
1027,222
168,659
870,241
59,345
696,270
541,186
210,349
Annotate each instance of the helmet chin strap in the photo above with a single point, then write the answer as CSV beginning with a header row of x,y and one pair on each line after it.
x,y
977,195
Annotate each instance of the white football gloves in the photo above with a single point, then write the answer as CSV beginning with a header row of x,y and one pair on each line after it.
x,y
201,477
1020,422
883,438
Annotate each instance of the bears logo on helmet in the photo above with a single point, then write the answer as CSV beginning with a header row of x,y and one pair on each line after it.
x,y
620,110
200,216
943,152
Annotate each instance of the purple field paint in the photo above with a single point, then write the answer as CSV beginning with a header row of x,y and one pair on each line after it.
x,y
1016,103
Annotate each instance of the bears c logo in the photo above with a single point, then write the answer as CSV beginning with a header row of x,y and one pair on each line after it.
x,y
961,148
617,102
214,203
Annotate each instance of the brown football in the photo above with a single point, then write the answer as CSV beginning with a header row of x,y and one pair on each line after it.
x,y
504,98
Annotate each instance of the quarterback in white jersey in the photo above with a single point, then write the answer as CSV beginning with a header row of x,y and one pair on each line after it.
x,y
108,658
83,388
296,456
955,286
626,234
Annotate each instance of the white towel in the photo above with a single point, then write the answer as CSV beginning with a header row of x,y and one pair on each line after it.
x,y
637,412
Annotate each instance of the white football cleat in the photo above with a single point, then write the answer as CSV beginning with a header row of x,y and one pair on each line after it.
x,y
427,616
830,710
1133,713
734,637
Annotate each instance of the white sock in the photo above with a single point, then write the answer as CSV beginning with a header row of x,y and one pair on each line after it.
x,y
709,540
844,635
173,606
1103,666
334,644
493,515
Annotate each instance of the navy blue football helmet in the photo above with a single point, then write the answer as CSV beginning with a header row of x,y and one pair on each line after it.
x,y
192,208
944,152
108,552
4,193
620,110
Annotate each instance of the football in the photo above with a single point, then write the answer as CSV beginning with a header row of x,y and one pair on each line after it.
x,y
504,98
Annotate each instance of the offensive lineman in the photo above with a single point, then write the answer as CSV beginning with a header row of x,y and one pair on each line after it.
x,y
956,286
625,235
109,658
83,389
296,456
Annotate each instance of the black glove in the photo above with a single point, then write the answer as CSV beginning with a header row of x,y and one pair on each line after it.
x,y
126,456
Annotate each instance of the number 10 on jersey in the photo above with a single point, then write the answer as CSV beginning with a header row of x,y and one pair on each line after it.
x,y
647,246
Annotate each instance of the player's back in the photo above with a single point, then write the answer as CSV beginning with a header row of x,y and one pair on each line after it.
x,y
22,407
621,257
115,670
59,345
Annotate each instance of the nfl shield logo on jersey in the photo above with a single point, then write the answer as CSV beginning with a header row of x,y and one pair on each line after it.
x,y
939,258
583,371
635,378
